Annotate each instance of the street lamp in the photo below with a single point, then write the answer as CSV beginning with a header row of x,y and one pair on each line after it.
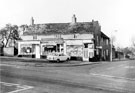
x,y
111,42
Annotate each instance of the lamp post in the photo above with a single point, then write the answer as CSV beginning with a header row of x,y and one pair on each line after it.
x,y
111,51
111,46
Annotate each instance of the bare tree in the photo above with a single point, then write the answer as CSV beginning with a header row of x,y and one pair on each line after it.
x,y
9,32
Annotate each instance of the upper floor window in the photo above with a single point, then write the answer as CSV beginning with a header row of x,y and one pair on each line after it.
x,y
107,52
101,40
107,41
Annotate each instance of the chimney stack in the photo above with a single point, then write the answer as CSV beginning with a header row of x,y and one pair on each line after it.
x,y
32,21
74,19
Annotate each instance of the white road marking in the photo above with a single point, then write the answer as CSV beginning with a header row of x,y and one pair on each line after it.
x,y
102,75
6,65
129,67
22,88
110,76
28,87
16,66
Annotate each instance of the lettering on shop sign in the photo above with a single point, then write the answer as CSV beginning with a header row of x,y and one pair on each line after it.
x,y
57,36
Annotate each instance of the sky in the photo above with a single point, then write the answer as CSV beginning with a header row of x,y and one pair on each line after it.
x,y
116,17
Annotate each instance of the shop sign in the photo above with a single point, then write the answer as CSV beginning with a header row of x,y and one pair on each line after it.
x,y
87,41
74,42
51,43
49,46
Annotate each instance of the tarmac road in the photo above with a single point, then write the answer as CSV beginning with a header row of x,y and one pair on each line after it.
x,y
115,77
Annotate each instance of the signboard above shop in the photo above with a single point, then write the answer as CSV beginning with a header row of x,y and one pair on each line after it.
x,y
49,46
52,40
74,42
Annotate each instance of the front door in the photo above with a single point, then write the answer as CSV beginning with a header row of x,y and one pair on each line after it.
x,y
37,51
85,52
85,55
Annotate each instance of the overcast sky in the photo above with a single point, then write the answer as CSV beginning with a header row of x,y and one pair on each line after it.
x,y
112,14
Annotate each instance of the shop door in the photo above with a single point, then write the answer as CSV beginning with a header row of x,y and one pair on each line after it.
x,y
37,51
85,53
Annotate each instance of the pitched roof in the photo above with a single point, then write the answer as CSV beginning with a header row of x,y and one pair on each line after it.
x,y
60,28
105,36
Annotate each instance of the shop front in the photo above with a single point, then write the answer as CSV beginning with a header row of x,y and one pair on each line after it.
x,y
80,49
88,50
50,46
29,48
74,48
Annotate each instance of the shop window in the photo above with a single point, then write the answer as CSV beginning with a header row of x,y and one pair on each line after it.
x,y
91,46
107,42
91,54
26,50
52,49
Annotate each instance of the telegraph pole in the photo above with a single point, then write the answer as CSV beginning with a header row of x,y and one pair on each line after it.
x,y
111,54
111,46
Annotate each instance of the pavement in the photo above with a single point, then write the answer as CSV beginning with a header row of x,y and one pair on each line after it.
x,y
24,61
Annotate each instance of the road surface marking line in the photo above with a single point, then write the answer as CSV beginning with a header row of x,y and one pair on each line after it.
x,y
5,83
110,76
29,87
129,67
16,66
23,87
6,65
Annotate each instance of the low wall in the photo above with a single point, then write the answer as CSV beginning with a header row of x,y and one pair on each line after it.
x,y
8,51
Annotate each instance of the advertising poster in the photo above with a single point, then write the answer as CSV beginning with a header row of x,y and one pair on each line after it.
x,y
75,50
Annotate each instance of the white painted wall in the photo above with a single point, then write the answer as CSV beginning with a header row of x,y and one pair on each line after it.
x,y
69,36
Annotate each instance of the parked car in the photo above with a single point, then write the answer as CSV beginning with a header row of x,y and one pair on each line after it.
x,y
58,57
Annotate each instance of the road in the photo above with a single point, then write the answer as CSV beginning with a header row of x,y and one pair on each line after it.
x,y
107,77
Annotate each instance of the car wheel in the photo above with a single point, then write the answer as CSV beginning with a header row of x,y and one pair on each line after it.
x,y
58,60
67,59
